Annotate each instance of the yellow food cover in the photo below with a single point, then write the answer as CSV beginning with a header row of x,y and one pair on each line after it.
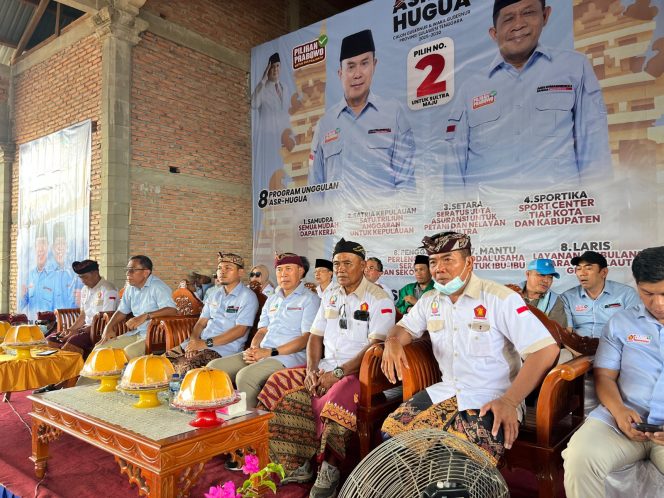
x,y
104,362
24,335
146,372
4,327
205,386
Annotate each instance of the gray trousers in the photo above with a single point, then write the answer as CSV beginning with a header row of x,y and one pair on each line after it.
x,y
249,377
595,450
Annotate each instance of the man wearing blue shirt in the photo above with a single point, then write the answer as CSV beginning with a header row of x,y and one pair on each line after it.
x,y
629,375
146,297
65,281
537,289
282,334
534,109
37,294
589,306
363,133
225,321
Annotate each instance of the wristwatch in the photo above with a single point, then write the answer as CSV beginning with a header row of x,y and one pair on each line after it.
x,y
274,352
338,372
209,343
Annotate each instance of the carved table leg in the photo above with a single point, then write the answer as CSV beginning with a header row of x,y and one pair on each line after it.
x,y
263,453
172,485
42,435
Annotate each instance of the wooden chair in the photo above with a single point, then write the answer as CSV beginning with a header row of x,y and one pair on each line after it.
x,y
167,332
542,435
99,322
65,318
187,303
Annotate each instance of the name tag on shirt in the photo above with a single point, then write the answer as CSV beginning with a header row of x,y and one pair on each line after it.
x,y
613,305
639,338
232,309
478,326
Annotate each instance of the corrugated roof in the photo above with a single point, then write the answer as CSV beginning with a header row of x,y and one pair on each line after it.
x,y
14,17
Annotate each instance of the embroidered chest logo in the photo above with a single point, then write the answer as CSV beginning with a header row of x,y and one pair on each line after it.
x,y
484,99
581,307
435,308
480,312
274,306
333,300
364,307
639,338
332,135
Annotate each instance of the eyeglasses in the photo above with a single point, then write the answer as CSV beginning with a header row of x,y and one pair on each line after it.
x,y
133,270
254,274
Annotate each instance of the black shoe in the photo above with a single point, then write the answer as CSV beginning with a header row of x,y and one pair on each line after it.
x,y
45,389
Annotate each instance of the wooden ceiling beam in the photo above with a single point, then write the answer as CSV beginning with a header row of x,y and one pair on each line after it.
x,y
30,28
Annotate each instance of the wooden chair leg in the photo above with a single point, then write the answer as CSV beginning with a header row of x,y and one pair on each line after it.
x,y
364,435
547,475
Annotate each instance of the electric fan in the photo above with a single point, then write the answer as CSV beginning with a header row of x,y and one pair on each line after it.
x,y
426,463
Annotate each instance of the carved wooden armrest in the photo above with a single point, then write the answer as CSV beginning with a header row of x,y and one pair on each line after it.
x,y
561,394
372,379
575,367
424,370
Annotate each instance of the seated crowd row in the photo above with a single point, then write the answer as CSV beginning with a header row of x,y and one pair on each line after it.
x,y
492,351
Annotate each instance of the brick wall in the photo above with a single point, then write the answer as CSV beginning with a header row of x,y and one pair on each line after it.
x,y
188,112
57,93
236,24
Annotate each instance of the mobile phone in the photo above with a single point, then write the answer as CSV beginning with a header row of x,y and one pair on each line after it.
x,y
648,427
48,352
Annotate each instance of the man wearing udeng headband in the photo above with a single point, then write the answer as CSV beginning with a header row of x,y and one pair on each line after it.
x,y
535,110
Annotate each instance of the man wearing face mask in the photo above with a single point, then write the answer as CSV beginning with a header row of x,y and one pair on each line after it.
x,y
491,350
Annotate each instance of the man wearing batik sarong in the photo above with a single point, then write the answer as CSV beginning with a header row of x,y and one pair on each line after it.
x,y
315,407
480,332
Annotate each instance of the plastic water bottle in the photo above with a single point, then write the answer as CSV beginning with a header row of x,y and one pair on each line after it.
x,y
173,389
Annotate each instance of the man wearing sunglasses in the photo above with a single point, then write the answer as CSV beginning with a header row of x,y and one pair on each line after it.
x,y
146,297
319,402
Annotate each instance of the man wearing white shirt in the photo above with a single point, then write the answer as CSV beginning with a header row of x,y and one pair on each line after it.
x,y
319,402
491,350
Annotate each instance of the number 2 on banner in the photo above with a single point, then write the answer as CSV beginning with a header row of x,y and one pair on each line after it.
x,y
431,74
430,85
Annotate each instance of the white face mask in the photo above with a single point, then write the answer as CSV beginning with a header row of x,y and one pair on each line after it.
x,y
451,287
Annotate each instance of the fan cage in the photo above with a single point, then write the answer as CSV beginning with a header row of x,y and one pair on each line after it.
x,y
404,465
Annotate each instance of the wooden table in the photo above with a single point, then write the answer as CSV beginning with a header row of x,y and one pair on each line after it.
x,y
160,468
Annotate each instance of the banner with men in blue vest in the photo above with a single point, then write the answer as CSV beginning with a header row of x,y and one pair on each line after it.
x,y
540,136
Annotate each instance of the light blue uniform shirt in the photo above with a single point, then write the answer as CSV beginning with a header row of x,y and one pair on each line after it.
x,y
66,282
587,316
40,293
286,319
633,344
547,120
376,144
153,296
226,311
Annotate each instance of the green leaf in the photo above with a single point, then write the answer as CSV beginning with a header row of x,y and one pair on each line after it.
x,y
270,485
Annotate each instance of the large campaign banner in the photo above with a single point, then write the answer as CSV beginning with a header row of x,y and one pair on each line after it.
x,y
546,158
53,219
